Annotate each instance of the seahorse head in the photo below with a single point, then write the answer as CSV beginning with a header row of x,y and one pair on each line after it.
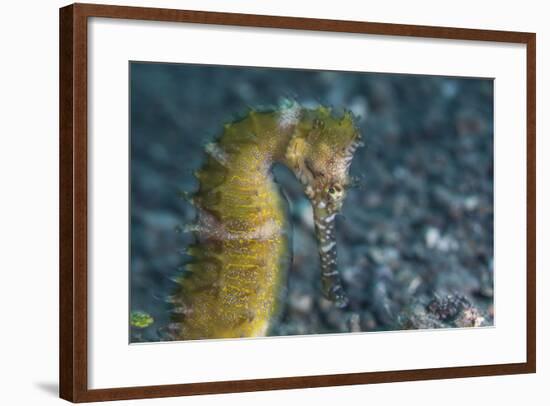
x,y
320,154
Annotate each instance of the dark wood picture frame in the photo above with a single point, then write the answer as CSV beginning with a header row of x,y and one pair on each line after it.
x,y
73,201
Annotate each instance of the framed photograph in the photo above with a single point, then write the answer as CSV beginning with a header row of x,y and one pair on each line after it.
x,y
254,202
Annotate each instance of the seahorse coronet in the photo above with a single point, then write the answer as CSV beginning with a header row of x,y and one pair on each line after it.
x,y
233,283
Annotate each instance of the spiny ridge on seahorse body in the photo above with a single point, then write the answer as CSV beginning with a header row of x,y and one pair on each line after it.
x,y
233,283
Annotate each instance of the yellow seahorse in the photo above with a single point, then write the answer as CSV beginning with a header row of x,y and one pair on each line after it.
x,y
232,286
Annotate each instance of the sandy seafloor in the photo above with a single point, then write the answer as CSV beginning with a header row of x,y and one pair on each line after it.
x,y
415,239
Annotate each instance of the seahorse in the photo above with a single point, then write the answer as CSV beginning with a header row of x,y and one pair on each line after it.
x,y
233,283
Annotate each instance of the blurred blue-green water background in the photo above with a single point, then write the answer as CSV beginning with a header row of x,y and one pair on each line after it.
x,y
415,239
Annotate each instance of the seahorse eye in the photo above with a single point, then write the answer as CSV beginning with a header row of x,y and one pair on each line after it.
x,y
335,192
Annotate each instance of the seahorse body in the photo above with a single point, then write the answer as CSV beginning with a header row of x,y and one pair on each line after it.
x,y
232,285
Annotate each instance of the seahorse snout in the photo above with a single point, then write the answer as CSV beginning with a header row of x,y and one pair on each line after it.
x,y
331,283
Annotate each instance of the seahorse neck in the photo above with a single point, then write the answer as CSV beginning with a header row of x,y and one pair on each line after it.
x,y
260,140
274,141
